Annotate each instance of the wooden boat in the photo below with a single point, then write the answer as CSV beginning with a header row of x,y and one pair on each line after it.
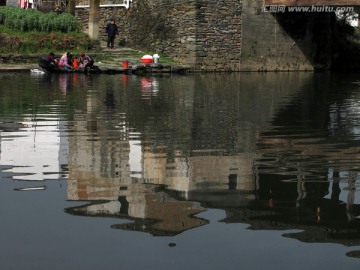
x,y
55,69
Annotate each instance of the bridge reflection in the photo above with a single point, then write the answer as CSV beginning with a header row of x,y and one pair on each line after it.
x,y
209,149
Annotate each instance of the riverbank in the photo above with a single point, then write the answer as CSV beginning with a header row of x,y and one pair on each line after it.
x,y
108,60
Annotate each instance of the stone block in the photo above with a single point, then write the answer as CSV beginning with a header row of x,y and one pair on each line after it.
x,y
191,47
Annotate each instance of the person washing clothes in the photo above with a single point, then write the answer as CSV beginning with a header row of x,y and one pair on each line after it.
x,y
64,61
85,61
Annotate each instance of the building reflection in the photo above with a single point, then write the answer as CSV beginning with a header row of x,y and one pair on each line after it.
x,y
25,145
161,183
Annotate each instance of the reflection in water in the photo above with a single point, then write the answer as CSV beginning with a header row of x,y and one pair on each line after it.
x,y
276,151
149,87
34,147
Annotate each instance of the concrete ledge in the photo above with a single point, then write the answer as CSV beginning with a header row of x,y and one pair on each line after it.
x,y
17,67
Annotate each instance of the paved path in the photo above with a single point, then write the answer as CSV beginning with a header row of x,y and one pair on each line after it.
x,y
111,59
114,60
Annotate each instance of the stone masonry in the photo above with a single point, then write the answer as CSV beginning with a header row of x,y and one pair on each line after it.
x,y
216,35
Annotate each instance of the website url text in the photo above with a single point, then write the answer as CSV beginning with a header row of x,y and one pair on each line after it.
x,y
283,8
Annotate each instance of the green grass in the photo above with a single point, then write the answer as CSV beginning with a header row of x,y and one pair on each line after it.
x,y
34,42
13,41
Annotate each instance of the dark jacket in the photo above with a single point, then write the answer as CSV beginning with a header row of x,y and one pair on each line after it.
x,y
112,30
47,61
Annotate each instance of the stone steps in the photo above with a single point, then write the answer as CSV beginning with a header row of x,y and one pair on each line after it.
x,y
117,55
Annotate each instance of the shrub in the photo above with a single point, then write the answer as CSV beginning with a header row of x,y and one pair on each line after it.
x,y
34,20
33,42
12,42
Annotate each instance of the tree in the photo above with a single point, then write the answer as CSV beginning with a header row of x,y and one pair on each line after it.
x,y
348,16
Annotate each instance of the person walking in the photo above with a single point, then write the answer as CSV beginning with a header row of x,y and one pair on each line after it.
x,y
112,31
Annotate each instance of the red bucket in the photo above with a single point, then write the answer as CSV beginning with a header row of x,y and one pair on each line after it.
x,y
146,60
125,64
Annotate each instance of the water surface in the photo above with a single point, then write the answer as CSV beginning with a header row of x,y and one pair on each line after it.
x,y
204,171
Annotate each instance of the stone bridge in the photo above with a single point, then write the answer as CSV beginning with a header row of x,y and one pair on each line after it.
x,y
227,35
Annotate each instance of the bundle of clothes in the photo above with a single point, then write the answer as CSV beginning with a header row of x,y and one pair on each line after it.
x,y
67,62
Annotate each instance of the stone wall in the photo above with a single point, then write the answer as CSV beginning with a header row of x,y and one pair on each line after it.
x,y
12,3
205,34
220,35
19,58
167,28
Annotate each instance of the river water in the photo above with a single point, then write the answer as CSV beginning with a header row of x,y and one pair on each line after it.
x,y
202,171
